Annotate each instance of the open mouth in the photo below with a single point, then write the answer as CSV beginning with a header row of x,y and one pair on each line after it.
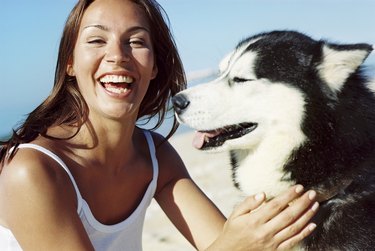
x,y
116,83
204,140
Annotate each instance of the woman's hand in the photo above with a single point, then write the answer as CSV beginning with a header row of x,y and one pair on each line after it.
x,y
274,225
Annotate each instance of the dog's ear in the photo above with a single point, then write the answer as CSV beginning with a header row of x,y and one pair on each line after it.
x,y
339,61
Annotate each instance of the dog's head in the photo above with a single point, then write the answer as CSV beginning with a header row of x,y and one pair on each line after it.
x,y
264,88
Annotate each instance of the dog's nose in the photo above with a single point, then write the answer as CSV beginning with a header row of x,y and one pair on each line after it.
x,y
180,102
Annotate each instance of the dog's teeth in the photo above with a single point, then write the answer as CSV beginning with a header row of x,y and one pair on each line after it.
x,y
206,139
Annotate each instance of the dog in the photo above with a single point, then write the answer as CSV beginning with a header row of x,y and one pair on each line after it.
x,y
294,110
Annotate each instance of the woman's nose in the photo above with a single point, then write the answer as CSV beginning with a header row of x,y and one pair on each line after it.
x,y
117,53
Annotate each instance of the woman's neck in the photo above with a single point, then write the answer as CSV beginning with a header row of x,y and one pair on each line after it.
x,y
109,144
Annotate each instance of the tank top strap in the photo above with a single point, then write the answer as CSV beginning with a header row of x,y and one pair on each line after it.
x,y
62,164
151,146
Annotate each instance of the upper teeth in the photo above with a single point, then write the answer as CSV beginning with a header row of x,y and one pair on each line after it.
x,y
116,79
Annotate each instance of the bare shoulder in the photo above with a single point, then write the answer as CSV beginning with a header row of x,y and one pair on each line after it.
x,y
32,176
35,191
163,146
171,166
166,154
32,168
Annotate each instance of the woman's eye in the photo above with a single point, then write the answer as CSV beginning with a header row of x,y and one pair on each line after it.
x,y
96,41
136,43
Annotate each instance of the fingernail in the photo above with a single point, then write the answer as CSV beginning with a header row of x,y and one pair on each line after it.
x,y
259,196
315,206
312,195
299,188
312,226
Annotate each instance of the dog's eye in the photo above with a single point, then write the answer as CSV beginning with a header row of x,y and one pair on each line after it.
x,y
241,80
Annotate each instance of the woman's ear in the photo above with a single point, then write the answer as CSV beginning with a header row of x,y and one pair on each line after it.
x,y
154,71
69,69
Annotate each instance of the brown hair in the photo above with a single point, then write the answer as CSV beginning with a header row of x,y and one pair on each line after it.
x,y
65,104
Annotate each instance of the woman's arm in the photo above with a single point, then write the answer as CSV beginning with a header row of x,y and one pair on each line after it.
x,y
194,215
39,205
274,225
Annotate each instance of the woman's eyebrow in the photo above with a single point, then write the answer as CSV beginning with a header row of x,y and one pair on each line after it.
x,y
105,28
99,26
138,28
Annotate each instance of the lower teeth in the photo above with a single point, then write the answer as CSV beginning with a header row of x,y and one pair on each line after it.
x,y
117,90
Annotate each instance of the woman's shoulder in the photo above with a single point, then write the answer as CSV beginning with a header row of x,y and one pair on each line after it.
x,y
164,149
28,163
171,166
35,191
33,172
32,161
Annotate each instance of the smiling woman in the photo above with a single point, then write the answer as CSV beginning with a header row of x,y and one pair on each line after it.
x,y
109,55
101,48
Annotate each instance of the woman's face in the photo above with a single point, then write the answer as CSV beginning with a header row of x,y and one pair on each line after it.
x,y
113,59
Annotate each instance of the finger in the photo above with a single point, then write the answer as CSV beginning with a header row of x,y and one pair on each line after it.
x,y
279,203
296,227
305,204
249,204
293,241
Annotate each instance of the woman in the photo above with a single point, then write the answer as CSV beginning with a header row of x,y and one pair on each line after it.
x,y
79,174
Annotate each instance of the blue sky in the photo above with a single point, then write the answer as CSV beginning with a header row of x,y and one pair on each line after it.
x,y
205,30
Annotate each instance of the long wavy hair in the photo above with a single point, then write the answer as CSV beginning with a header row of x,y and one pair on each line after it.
x,y
65,104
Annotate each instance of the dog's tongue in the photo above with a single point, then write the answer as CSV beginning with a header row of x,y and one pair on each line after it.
x,y
200,138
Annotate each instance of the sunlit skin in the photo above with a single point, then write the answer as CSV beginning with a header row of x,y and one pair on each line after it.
x,y
113,41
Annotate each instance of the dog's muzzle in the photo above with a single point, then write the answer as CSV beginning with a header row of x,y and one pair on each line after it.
x,y
180,103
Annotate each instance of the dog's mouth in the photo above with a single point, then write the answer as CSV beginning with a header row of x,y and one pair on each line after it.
x,y
204,140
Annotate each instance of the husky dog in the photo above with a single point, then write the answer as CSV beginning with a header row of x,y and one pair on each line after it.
x,y
290,110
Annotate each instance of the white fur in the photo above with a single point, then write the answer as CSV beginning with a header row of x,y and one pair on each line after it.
x,y
278,109
218,104
338,65
229,60
371,85
262,170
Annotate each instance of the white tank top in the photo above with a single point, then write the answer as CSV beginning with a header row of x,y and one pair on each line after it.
x,y
124,236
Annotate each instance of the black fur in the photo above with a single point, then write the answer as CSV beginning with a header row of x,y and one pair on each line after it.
x,y
234,164
340,127
336,156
